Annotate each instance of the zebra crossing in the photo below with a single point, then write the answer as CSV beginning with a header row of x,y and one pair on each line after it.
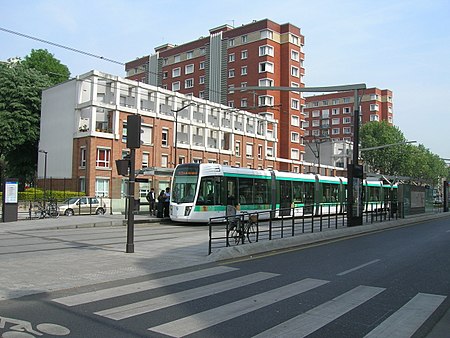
x,y
403,322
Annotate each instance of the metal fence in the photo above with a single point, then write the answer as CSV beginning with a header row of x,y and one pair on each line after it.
x,y
268,225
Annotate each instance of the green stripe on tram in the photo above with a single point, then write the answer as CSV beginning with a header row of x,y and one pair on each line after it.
x,y
264,177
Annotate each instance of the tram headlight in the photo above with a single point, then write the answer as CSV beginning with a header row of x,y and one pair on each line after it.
x,y
187,211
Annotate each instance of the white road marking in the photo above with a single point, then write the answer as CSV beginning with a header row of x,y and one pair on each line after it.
x,y
357,267
407,320
149,305
89,297
202,320
316,318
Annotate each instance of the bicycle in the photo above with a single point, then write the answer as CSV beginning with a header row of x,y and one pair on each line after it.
x,y
240,227
51,210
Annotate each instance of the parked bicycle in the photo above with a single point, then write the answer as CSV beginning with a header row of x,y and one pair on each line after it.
x,y
240,227
50,210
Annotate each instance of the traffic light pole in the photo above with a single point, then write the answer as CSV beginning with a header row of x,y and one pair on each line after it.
x,y
130,219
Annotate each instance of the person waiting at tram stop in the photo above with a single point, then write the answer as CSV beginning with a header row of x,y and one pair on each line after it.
x,y
151,199
166,202
160,207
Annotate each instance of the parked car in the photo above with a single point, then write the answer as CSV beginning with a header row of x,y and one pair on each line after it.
x,y
81,206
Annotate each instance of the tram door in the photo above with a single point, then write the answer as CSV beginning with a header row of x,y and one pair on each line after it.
x,y
285,198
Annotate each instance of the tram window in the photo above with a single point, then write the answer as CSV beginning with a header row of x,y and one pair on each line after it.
x,y
231,191
309,192
262,191
209,192
245,191
330,192
374,194
298,188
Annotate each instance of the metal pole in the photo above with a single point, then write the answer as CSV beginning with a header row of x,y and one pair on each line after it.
x,y
130,220
176,139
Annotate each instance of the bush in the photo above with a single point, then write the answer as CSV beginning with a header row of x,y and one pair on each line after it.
x,y
33,194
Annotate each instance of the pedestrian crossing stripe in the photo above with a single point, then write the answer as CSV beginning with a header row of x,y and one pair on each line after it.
x,y
316,318
89,297
205,319
407,320
149,305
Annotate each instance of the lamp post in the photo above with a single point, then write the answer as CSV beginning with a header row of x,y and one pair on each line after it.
x,y
175,112
45,173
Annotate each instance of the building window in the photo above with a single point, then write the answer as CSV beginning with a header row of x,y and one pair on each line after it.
x,y
295,55
334,111
294,71
265,100
189,83
266,67
83,157
347,120
295,154
201,94
266,34
374,117
145,157
346,100
165,75
188,69
176,86
294,39
260,151
102,187
295,120
346,110
335,101
244,70
295,137
315,113
249,150
177,58
335,121
202,50
244,39
244,54
231,57
335,131
266,50
189,55
315,104
243,103
315,123
165,137
305,124
265,82
374,97
325,113
103,158
201,65
347,130
269,152
164,161
295,104
243,84
176,72
237,151
231,43
201,79
147,135
231,73
374,107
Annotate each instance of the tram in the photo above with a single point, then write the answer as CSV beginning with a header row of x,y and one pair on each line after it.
x,y
201,191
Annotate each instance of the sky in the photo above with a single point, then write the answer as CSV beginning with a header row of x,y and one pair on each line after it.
x,y
401,45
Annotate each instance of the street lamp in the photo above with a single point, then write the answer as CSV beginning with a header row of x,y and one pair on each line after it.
x,y
175,112
45,173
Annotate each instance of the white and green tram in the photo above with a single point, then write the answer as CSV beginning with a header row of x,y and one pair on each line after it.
x,y
201,191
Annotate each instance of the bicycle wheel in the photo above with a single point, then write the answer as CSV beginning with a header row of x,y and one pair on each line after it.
x,y
252,232
233,236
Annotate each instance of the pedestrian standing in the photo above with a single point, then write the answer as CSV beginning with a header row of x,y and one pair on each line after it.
x,y
161,199
151,198
167,202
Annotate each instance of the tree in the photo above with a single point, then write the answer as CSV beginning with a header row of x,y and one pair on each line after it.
x,y
408,160
384,160
46,63
20,107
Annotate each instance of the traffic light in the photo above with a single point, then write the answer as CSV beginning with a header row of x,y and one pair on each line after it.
x,y
133,131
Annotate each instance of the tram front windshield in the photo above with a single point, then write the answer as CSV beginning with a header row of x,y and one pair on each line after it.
x,y
184,184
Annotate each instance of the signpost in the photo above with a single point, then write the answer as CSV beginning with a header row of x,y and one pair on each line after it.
x,y
10,200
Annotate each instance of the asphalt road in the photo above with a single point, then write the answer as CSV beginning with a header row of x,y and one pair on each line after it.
x,y
393,283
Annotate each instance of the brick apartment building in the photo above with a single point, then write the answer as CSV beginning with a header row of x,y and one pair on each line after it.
x,y
262,53
330,116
